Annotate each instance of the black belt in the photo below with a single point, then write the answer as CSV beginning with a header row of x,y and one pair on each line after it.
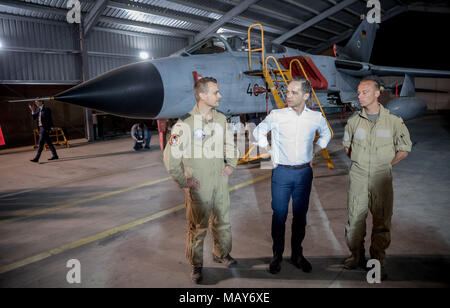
x,y
296,166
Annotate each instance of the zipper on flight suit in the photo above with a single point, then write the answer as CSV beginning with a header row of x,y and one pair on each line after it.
x,y
371,144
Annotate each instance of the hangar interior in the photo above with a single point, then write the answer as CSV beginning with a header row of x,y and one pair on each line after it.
x,y
116,210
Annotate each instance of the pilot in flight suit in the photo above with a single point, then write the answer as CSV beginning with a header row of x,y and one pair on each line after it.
x,y
373,142
201,149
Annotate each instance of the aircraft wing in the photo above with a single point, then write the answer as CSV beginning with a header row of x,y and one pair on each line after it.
x,y
355,68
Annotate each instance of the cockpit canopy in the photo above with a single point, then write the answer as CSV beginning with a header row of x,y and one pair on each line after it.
x,y
209,46
221,44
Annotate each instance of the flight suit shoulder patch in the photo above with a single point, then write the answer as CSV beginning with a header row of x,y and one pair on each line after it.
x,y
395,118
178,128
353,116
221,115
398,122
352,119
174,139
185,117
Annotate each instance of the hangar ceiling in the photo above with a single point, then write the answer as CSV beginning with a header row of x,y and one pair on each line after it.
x,y
308,25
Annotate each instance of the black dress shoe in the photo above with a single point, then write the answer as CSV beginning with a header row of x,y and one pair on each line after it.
x,y
54,158
34,160
302,263
275,265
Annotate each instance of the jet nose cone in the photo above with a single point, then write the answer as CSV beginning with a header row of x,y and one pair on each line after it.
x,y
135,90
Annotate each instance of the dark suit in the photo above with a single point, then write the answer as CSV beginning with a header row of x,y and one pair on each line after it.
x,y
45,127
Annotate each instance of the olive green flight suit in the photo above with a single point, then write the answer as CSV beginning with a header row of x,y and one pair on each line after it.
x,y
373,145
194,151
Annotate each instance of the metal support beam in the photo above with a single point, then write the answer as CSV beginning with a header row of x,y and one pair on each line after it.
x,y
224,19
315,12
216,11
48,51
140,24
260,9
93,16
194,19
89,127
314,20
389,14
348,10
256,8
62,12
65,24
428,9
156,11
33,7
393,12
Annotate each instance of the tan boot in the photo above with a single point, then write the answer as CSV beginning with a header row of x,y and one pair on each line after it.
x,y
383,273
362,260
352,262
228,260
196,274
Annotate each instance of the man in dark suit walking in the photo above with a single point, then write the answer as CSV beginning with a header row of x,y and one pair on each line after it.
x,y
43,115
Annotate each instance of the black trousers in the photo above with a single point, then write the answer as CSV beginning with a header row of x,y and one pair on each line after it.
x,y
44,137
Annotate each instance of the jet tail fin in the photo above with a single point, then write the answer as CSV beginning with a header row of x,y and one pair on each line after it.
x,y
408,88
359,47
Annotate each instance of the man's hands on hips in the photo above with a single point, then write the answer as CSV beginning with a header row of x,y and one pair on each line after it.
x,y
317,149
227,170
192,183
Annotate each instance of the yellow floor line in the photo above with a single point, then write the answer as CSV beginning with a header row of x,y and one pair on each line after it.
x,y
101,235
79,179
77,202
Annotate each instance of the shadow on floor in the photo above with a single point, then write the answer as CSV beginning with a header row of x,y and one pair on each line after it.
x,y
64,159
400,268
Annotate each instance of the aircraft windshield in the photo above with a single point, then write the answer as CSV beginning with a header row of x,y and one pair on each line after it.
x,y
238,43
213,45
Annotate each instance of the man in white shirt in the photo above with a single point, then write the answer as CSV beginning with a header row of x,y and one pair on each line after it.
x,y
293,131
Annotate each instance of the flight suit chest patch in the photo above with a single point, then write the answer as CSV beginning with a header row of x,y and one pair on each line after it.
x,y
384,133
199,134
360,134
346,136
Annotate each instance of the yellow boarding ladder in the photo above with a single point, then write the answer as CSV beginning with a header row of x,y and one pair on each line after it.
x,y
271,75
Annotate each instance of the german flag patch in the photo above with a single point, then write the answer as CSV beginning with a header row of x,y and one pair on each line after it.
x,y
174,139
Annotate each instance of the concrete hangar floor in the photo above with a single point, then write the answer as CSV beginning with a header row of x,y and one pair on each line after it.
x,y
118,213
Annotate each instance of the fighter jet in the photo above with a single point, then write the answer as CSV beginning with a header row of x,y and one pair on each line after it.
x,y
162,88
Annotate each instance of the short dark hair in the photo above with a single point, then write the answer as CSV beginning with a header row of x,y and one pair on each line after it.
x,y
201,86
373,78
306,85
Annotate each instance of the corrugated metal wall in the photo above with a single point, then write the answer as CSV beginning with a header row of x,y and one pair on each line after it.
x,y
48,52
125,48
37,52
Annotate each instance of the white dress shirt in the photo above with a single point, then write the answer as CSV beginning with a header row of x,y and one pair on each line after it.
x,y
292,135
